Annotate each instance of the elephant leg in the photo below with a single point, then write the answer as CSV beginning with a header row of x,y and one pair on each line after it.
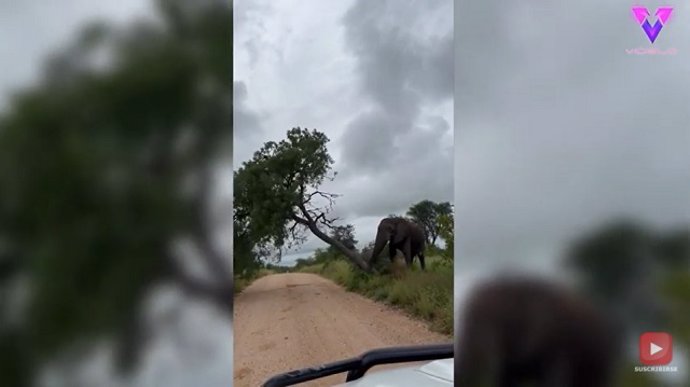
x,y
421,260
407,251
392,250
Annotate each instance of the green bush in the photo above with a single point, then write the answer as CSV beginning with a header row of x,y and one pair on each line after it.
x,y
314,268
240,282
424,294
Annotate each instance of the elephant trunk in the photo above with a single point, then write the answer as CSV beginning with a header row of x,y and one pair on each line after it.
x,y
381,240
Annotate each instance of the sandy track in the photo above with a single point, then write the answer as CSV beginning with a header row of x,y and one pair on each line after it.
x,y
289,321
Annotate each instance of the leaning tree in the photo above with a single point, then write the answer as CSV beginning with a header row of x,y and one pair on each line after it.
x,y
277,195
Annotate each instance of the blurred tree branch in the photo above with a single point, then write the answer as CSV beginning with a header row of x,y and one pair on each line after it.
x,y
104,165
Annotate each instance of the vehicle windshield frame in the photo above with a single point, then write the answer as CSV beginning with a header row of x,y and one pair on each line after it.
x,y
357,367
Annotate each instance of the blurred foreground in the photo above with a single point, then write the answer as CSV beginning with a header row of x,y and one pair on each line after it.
x,y
109,168
617,282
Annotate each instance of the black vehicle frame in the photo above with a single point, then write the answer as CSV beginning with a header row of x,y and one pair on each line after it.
x,y
358,366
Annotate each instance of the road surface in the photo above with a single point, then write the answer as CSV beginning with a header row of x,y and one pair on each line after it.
x,y
290,321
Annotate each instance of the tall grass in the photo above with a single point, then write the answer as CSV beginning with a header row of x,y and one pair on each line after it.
x,y
241,283
424,294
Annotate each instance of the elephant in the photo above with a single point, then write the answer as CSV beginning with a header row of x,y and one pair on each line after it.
x,y
400,234
517,330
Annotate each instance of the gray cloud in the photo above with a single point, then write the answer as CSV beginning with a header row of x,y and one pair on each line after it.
x,y
419,169
248,17
246,123
25,43
400,69
368,142
377,79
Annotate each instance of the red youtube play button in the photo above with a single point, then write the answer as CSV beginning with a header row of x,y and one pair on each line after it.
x,y
656,348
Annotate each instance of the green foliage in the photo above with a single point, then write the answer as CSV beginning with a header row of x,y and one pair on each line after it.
x,y
306,264
241,282
270,186
92,171
313,269
427,214
15,359
608,260
673,249
273,192
446,227
676,289
246,261
427,295
345,235
615,260
271,268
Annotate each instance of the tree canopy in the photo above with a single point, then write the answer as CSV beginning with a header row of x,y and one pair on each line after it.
x,y
277,196
634,271
346,235
95,169
446,230
428,214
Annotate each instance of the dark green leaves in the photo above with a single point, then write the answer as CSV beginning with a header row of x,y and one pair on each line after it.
x,y
427,213
269,187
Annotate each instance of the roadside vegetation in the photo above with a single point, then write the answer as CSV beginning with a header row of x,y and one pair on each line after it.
x,y
241,282
427,295
245,279
424,294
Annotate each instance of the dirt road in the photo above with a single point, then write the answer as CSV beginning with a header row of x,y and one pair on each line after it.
x,y
290,321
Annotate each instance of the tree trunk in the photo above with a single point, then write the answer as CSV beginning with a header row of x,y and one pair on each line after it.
x,y
350,254
310,222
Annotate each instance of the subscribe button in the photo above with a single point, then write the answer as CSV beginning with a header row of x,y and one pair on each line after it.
x,y
656,348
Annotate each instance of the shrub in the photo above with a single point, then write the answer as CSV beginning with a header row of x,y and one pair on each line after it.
x,y
424,294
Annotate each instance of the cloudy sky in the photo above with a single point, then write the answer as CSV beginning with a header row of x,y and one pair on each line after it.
x,y
30,30
375,76
558,129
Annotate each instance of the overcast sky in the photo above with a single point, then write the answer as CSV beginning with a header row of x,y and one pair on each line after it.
x,y
559,130
375,76
30,30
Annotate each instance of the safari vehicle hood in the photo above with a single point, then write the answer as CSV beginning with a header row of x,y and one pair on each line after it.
x,y
438,373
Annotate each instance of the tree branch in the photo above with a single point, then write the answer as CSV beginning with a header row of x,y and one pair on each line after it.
x,y
308,219
325,221
325,195
295,234
299,220
311,223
